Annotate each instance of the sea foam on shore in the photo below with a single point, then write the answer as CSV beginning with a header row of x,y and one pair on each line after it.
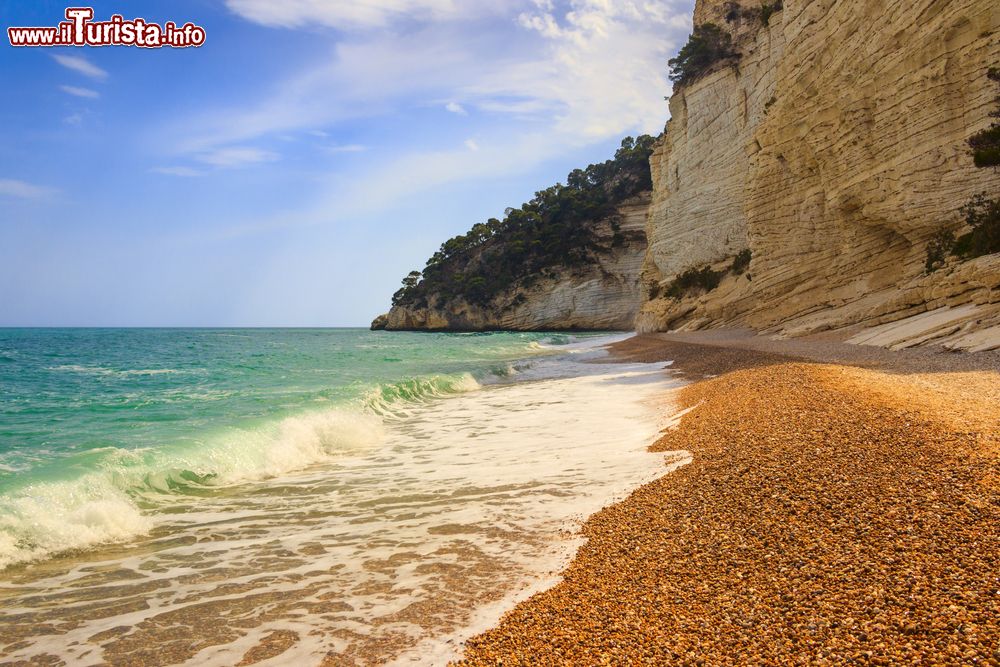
x,y
397,549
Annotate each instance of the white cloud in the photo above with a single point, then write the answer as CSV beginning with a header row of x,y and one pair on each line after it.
x,y
80,92
414,172
13,188
363,78
456,108
593,70
74,119
401,177
237,156
347,13
347,148
186,172
603,72
80,65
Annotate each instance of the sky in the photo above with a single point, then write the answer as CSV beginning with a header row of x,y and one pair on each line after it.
x,y
294,168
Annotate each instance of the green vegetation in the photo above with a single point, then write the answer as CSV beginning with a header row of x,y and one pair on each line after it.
x,y
764,12
706,46
704,279
410,282
940,246
741,262
554,229
767,9
981,213
985,145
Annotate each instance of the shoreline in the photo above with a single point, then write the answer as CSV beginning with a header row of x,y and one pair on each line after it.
x,y
446,648
457,507
843,505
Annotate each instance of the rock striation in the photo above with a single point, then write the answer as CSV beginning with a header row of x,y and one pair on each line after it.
x,y
833,149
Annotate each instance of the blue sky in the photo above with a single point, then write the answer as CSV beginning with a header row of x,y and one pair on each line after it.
x,y
290,171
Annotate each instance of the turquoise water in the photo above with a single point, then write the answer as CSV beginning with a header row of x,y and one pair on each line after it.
x,y
119,416
183,497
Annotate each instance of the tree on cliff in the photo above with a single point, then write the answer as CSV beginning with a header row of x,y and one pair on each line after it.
x,y
554,229
706,46
982,212
985,145
411,280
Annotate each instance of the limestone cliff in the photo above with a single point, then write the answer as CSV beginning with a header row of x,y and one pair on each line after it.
x,y
599,295
833,148
802,178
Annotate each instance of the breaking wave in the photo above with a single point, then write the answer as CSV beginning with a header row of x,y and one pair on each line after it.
x,y
98,496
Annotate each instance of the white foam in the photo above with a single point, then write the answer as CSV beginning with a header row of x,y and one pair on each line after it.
x,y
275,449
103,506
476,497
51,517
127,477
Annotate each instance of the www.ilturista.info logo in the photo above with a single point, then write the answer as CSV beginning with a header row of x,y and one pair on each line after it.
x,y
79,29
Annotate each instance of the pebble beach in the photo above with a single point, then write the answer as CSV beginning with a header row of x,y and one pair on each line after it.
x,y
842,506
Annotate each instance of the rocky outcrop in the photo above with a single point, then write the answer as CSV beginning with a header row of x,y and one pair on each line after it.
x,y
957,307
834,149
602,295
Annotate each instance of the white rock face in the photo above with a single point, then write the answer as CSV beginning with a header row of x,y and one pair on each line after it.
x,y
834,150
603,296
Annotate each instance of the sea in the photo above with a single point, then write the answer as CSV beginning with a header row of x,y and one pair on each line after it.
x,y
300,496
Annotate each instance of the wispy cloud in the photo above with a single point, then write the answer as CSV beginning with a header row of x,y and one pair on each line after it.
x,y
80,92
347,13
603,68
591,70
74,119
346,148
403,176
237,156
363,78
80,65
584,71
186,172
413,172
10,187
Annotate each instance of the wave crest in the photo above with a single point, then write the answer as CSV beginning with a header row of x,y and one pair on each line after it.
x,y
395,398
103,505
52,517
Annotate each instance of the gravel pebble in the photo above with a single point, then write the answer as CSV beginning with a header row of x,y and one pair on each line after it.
x,y
831,515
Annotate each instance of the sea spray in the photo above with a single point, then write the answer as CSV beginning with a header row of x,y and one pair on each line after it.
x,y
52,517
